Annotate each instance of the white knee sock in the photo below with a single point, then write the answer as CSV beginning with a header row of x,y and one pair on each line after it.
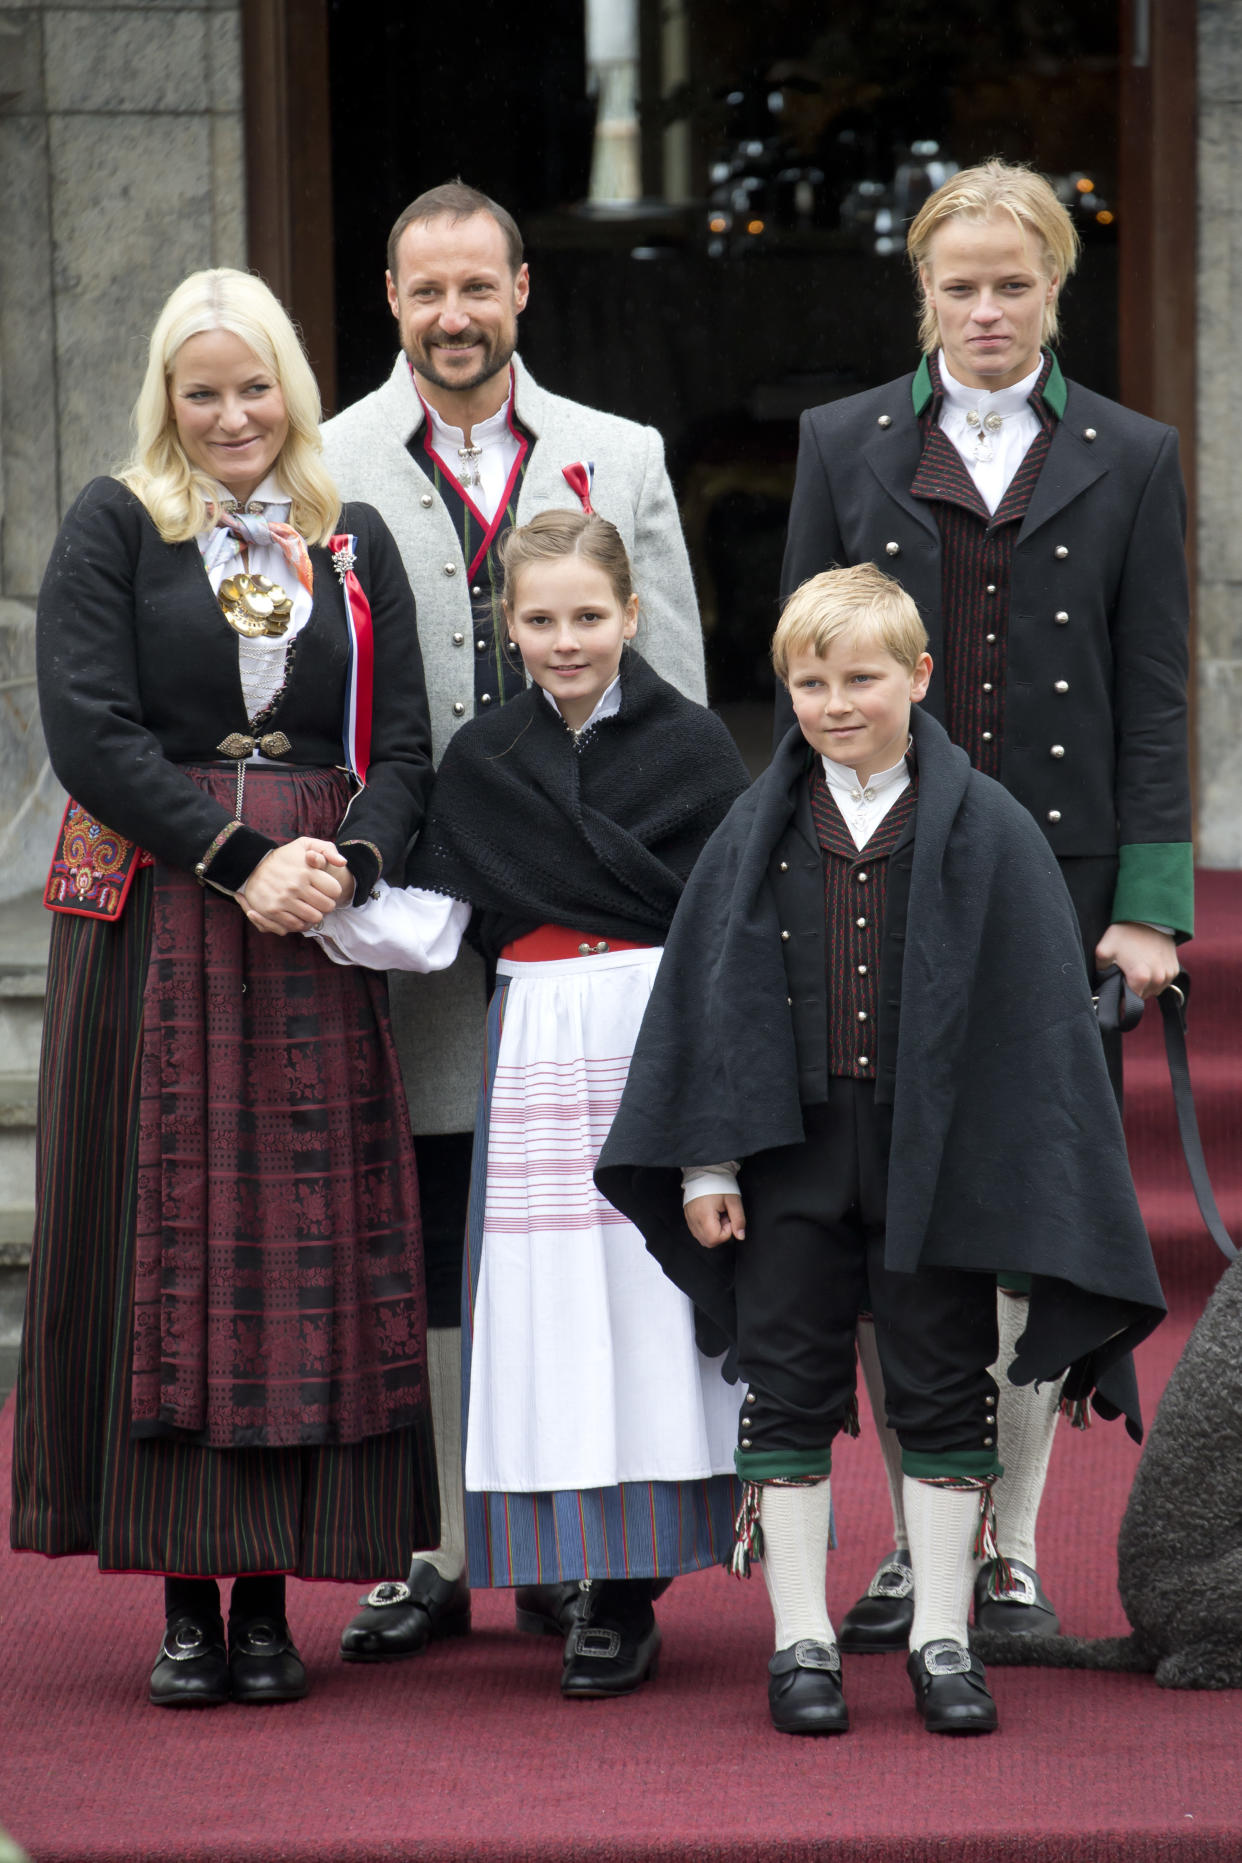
x,y
942,1523
444,1377
890,1448
795,1561
1026,1421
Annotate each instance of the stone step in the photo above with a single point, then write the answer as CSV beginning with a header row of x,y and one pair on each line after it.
x,y
18,1103
21,1015
16,1229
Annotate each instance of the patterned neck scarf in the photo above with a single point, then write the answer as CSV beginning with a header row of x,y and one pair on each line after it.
x,y
257,530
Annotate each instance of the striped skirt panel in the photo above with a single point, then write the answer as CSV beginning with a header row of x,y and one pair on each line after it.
x,y
81,1483
652,1529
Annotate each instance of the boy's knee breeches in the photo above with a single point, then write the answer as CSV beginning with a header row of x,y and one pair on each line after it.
x,y
812,1259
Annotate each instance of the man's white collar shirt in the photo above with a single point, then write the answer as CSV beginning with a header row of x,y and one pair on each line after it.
x,y
1008,446
497,449
863,806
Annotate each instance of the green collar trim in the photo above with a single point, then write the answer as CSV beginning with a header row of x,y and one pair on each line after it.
x,y
1055,393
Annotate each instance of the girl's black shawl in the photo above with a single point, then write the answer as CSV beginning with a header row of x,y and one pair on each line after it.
x,y
534,827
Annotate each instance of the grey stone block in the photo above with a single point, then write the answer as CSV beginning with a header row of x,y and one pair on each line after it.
x,y
21,62
115,59
1219,842
133,217
31,800
1219,615
29,488
1220,391
21,1027
228,189
1220,52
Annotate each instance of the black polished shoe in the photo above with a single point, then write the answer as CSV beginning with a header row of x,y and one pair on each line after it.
x,y
1018,1609
615,1646
551,1610
400,1619
951,1689
192,1668
264,1664
804,1690
883,1617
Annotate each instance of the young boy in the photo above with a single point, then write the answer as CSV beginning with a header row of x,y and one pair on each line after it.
x,y
872,1003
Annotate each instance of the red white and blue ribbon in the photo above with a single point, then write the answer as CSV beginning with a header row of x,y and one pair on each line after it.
x,y
359,682
580,477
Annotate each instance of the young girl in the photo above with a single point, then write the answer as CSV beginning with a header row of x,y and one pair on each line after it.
x,y
599,1439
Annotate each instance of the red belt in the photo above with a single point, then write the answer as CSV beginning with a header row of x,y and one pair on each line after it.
x,y
549,942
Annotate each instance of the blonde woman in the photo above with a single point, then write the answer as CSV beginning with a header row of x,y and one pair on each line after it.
x,y
223,1372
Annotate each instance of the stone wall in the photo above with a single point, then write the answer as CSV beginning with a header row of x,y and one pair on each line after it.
x,y
122,163
1220,434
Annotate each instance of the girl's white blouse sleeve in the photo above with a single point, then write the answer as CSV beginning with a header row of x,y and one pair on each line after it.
x,y
398,928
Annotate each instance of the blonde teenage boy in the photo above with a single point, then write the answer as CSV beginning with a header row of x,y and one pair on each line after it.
x,y
872,1005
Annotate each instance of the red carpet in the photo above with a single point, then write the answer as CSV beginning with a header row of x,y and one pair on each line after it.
x,y
469,1752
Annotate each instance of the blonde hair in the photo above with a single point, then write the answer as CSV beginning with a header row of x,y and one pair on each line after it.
x,y
978,194
554,534
178,495
860,601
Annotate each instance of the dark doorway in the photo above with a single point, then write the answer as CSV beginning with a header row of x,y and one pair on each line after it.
x,y
758,266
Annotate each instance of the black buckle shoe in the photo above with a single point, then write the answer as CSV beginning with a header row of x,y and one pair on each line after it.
x,y
1018,1609
804,1690
400,1619
882,1619
551,1610
192,1668
264,1664
951,1689
615,1645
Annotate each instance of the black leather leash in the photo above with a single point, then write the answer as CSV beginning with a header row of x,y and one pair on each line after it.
x,y
1118,1007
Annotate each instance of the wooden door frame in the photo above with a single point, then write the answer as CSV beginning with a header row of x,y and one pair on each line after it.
x,y
288,140
1158,224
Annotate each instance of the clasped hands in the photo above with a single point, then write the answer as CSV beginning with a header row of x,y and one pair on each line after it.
x,y
295,887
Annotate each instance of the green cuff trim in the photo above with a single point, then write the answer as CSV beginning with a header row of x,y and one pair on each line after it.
x,y
977,1463
1014,1283
1156,885
782,1464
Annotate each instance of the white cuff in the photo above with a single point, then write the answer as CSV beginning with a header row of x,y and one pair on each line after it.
x,y
398,928
710,1180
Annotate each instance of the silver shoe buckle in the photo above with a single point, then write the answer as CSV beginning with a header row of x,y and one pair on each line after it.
x,y
946,1659
600,1644
893,1580
180,1648
1019,1590
810,1655
389,1591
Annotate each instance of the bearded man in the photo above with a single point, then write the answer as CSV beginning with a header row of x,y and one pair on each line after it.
x,y
457,447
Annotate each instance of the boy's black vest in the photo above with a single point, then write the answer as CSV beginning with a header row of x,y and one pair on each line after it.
x,y
843,977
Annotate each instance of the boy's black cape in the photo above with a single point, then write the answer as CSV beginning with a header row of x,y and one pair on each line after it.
x,y
1007,1147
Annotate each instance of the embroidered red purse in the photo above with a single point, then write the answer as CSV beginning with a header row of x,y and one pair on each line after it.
x,y
93,867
